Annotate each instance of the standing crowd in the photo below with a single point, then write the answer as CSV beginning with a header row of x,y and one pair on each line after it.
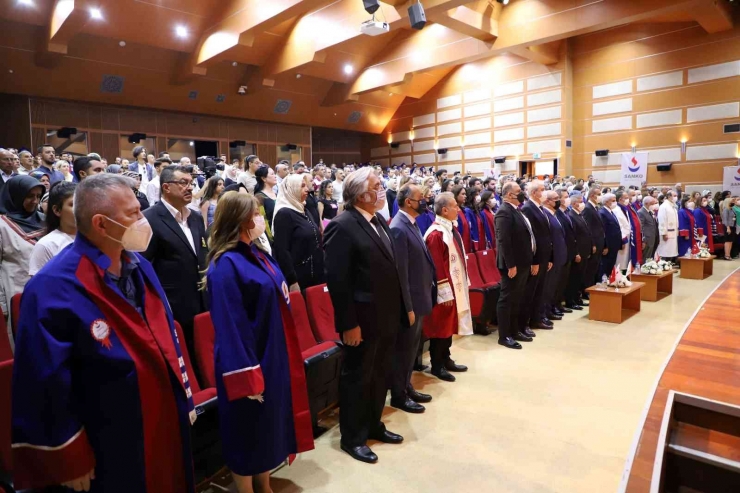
x,y
115,262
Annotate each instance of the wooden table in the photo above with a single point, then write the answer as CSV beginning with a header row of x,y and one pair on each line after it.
x,y
614,305
696,268
657,286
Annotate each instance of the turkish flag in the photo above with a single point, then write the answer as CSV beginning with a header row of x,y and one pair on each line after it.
x,y
694,248
613,277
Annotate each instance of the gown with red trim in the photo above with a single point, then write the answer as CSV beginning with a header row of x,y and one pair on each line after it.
x,y
686,232
463,227
257,352
98,383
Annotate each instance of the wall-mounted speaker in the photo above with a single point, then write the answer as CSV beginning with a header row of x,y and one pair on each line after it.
x,y
732,128
395,145
441,151
602,152
499,159
417,17
66,132
371,6
135,138
664,166
568,143
291,147
237,143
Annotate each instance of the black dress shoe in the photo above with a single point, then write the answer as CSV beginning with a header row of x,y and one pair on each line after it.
x,y
361,453
481,330
557,310
443,374
420,367
554,316
541,325
583,303
418,396
408,405
565,309
510,343
528,332
386,437
573,306
451,366
521,337
586,296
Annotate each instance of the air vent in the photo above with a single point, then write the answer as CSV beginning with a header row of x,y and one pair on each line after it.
x,y
568,143
112,84
221,98
282,107
354,117
732,128
193,95
395,145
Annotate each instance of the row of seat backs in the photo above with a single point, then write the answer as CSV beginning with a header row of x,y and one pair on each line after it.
x,y
482,269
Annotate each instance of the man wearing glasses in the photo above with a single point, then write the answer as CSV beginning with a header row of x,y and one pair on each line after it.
x,y
178,247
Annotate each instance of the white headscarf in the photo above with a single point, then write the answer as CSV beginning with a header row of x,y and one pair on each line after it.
x,y
289,195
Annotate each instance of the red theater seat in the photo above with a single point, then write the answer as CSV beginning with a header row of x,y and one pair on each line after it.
x,y
321,313
476,281
203,339
6,380
487,265
483,296
200,396
322,361
5,352
15,310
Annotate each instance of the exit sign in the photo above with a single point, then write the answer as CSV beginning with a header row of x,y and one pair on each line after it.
x,y
536,155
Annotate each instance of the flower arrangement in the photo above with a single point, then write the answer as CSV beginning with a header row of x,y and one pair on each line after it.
x,y
617,280
704,252
664,265
650,267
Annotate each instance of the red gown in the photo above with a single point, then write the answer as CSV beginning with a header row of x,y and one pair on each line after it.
x,y
443,321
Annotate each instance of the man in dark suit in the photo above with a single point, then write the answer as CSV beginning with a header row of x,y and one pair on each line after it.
x,y
584,251
559,256
178,248
365,290
535,317
649,224
515,248
596,229
612,234
418,287
561,213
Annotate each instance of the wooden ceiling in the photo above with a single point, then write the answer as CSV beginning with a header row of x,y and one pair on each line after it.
x,y
192,55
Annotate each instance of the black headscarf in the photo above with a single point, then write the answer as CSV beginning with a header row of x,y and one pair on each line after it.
x,y
11,203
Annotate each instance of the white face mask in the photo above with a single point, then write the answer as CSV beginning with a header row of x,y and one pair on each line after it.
x,y
613,206
654,207
379,198
633,199
581,206
136,238
674,199
259,228
566,203
690,206
476,199
639,197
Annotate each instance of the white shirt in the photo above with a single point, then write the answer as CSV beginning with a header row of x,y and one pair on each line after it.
x,y
182,220
248,180
338,188
408,216
153,191
6,177
47,248
369,217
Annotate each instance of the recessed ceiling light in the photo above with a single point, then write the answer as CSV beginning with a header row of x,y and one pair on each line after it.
x,y
234,64
10,71
181,31
335,114
390,94
192,143
348,69
297,76
26,2
121,44
96,14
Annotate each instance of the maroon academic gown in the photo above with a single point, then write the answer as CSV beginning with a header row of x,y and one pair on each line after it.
x,y
443,321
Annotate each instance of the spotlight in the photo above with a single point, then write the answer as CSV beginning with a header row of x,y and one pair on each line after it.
x,y
192,143
417,17
242,90
371,6
348,69
181,31
505,2
96,14
28,3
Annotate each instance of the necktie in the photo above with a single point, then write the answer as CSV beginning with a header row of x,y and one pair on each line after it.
x,y
383,236
416,227
531,234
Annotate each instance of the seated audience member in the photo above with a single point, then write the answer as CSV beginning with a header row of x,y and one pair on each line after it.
x,y
298,248
21,226
451,315
143,202
261,384
87,166
426,218
686,226
60,227
328,207
209,198
111,406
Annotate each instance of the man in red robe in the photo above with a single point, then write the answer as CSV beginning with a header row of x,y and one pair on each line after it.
x,y
451,315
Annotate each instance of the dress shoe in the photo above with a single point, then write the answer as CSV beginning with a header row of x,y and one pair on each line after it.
x,y
361,453
510,343
521,337
528,332
558,310
443,374
573,306
565,309
481,330
547,321
541,325
586,296
451,366
554,316
408,405
386,437
420,367
418,396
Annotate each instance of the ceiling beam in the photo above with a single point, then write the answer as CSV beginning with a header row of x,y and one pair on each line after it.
x,y
339,93
544,54
713,15
470,22
519,28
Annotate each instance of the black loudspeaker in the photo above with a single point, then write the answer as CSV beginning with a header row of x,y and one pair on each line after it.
x,y
441,151
66,132
499,159
602,153
291,147
732,128
237,143
136,138
664,167
371,6
417,17
395,145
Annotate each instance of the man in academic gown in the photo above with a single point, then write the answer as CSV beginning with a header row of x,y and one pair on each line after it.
x,y
101,398
668,227
452,314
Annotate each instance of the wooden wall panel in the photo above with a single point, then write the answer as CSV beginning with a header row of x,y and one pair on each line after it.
x,y
38,137
110,149
16,132
95,141
267,153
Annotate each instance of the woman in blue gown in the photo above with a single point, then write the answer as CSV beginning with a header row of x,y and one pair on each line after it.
x,y
262,397
686,227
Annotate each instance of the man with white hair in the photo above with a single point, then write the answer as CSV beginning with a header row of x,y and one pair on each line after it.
x,y
612,233
111,406
365,290
668,227
649,227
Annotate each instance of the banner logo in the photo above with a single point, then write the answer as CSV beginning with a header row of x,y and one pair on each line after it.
x,y
737,176
637,165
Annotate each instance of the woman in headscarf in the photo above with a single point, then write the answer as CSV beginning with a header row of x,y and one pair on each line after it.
x,y
297,247
21,226
143,201
42,177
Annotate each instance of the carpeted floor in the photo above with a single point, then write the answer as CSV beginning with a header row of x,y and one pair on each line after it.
x,y
558,416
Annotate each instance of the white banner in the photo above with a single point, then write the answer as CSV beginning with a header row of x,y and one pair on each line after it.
x,y
731,180
634,169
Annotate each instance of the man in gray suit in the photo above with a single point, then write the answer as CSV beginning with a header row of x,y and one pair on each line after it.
x,y
419,290
649,224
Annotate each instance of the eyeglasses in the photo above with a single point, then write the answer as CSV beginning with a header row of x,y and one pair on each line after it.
x,y
183,183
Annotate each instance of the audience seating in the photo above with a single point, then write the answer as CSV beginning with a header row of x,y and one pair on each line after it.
x,y
322,361
483,296
203,341
321,313
5,352
15,310
200,396
6,380
487,264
